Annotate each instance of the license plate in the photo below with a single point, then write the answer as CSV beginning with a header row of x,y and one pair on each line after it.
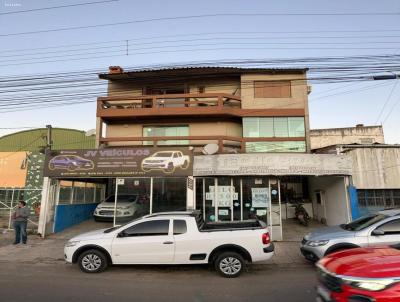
x,y
323,293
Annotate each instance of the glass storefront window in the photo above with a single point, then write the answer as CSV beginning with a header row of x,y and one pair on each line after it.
x,y
157,131
89,192
287,146
169,194
65,193
133,199
79,192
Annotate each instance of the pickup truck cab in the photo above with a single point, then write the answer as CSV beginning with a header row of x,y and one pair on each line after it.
x,y
166,161
173,238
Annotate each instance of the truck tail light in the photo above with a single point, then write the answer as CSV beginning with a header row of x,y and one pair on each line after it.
x,y
266,239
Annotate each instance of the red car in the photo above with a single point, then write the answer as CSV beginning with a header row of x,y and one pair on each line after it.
x,y
360,275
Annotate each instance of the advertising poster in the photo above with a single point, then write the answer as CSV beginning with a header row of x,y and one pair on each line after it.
x,y
119,162
223,195
260,197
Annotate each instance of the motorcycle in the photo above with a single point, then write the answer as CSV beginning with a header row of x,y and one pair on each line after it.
x,y
301,214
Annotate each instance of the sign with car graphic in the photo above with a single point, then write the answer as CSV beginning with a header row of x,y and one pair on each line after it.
x,y
119,162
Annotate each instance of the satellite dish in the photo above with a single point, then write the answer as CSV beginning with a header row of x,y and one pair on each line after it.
x,y
90,132
210,149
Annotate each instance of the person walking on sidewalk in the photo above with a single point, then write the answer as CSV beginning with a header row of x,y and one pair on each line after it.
x,y
20,217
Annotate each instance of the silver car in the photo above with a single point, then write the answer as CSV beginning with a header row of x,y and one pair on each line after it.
x,y
382,228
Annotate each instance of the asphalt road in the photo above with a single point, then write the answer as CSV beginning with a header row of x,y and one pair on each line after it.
x,y
62,282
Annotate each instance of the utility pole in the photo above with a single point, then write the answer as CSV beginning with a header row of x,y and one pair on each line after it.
x,y
49,142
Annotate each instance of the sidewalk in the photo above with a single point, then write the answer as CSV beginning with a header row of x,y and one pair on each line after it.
x,y
50,249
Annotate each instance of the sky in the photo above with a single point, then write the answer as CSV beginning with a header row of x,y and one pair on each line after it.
x,y
202,39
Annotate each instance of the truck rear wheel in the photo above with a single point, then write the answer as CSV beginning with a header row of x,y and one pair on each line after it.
x,y
229,264
92,261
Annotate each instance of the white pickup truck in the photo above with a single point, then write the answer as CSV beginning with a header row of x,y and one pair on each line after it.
x,y
166,160
173,238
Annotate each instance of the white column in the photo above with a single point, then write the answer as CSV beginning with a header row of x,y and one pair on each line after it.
x,y
190,198
44,205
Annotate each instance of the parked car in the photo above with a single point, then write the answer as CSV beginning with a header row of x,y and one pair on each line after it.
x,y
360,275
128,206
382,228
166,160
173,238
70,162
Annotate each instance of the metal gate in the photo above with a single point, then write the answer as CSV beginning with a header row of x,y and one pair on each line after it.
x,y
9,198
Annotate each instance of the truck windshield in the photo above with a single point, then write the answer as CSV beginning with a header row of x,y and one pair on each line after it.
x,y
363,222
163,154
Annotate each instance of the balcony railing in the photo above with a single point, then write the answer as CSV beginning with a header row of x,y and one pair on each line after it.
x,y
167,104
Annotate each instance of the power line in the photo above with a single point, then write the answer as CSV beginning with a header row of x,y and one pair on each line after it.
x,y
203,34
387,101
55,7
202,16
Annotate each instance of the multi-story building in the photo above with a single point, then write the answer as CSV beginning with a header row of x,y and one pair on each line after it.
x,y
246,130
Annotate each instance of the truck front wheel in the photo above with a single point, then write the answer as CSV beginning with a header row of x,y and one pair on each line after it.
x,y
92,261
229,264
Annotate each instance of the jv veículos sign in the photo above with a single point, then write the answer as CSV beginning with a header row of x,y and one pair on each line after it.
x,y
119,162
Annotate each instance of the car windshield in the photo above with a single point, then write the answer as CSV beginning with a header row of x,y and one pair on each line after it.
x,y
163,154
71,157
363,222
122,198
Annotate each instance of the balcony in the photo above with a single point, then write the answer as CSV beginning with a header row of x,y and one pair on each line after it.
x,y
188,104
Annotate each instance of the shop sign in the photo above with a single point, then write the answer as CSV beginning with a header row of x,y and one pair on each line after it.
x,y
119,162
272,164
260,197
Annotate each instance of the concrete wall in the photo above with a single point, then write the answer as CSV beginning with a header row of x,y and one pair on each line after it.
x,y
354,135
376,168
335,206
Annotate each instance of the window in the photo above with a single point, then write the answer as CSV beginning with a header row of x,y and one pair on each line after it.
x,y
180,227
149,228
273,127
392,227
281,127
286,146
373,200
65,192
296,127
154,131
272,89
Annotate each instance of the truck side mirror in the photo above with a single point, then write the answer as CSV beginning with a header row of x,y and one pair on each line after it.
x,y
377,232
121,234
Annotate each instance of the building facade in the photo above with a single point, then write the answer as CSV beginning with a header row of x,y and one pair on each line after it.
x,y
21,167
242,136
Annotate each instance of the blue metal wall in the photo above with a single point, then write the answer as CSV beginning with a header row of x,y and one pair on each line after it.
x,y
67,215
355,211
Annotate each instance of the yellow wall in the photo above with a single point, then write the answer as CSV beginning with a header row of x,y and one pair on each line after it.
x,y
11,174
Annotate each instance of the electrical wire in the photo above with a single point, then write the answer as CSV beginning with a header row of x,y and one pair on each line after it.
x,y
200,16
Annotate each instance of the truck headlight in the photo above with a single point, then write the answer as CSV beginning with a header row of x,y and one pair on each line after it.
x,y
317,243
72,243
369,284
